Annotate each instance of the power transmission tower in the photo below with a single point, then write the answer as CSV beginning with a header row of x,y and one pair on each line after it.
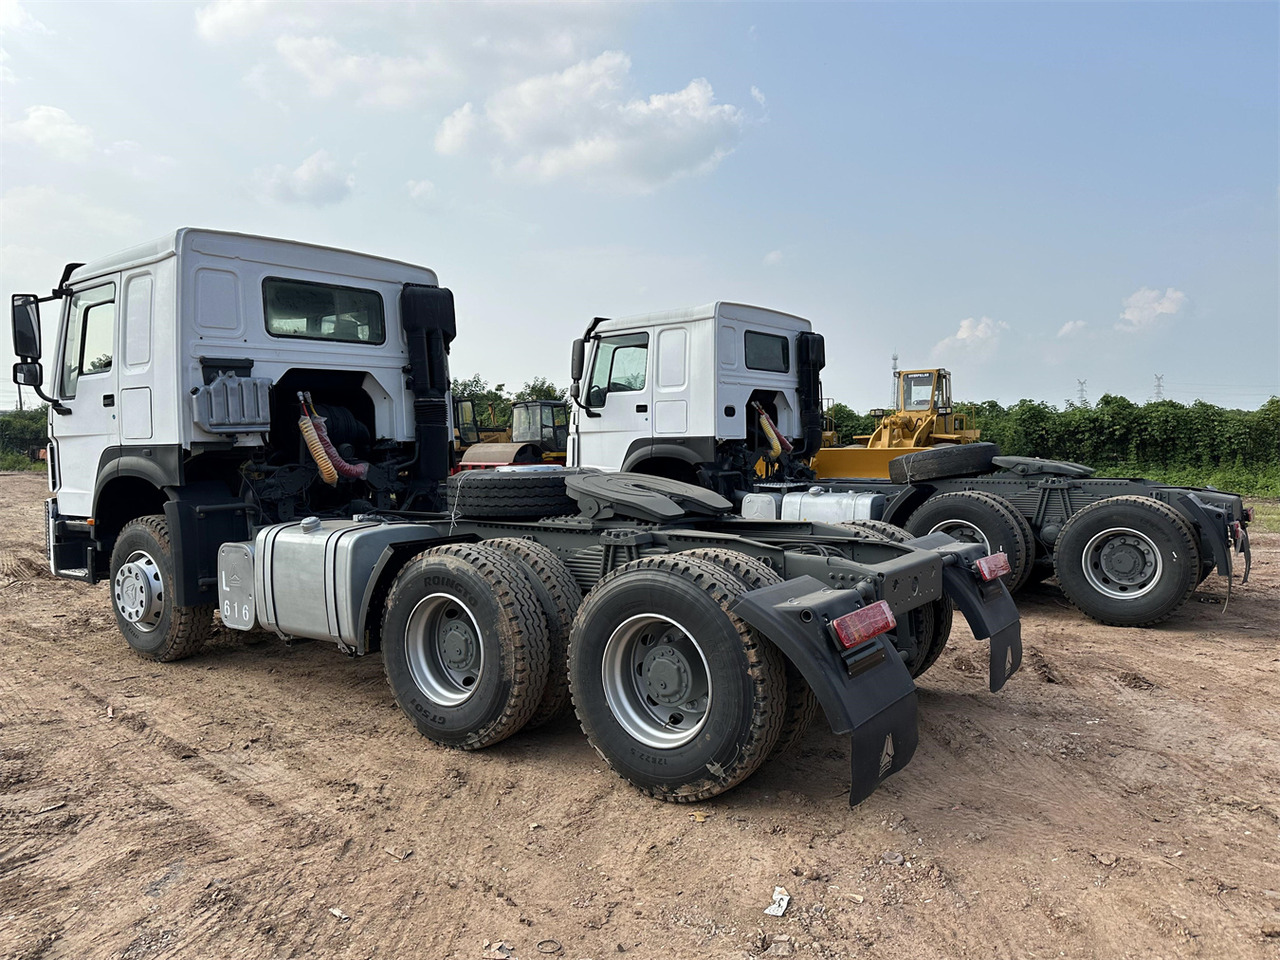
x,y
1080,397
1159,387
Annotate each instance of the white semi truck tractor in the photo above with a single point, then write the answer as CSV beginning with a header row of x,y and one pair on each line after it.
x,y
256,432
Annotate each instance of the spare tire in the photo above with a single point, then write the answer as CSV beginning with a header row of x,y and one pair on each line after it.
x,y
967,459
513,494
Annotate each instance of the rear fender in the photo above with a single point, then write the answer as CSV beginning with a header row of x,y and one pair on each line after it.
x,y
988,607
868,696
1212,523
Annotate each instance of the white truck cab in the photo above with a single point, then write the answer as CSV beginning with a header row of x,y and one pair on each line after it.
x,y
176,383
675,393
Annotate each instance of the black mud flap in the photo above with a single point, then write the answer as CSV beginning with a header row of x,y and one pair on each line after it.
x,y
867,693
882,746
992,616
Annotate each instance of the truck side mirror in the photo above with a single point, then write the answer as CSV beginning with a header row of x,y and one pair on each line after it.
x,y
28,375
579,359
26,326
573,390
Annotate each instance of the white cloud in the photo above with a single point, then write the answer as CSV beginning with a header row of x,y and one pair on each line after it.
x,y
976,339
53,130
423,191
1144,307
581,123
757,96
1071,327
318,180
375,80
14,16
773,258
455,131
427,52
232,19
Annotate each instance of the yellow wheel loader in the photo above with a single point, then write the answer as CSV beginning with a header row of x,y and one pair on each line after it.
x,y
924,419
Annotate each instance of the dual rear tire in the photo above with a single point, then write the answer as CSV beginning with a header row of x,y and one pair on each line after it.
x,y
679,696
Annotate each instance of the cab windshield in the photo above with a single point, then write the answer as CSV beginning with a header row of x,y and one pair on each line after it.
x,y
917,391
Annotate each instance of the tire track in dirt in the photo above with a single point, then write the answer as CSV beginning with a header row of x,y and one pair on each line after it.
x,y
215,812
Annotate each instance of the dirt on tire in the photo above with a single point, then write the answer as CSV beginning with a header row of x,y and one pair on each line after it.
x,y
1119,798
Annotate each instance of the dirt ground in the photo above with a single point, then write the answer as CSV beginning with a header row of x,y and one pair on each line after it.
x,y
1120,798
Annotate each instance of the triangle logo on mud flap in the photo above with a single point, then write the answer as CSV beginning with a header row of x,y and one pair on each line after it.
x,y
886,755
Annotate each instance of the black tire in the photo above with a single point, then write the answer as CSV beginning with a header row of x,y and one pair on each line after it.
x,y
142,595
973,517
1127,561
464,645
629,639
560,598
802,703
934,618
965,460
516,494
1028,539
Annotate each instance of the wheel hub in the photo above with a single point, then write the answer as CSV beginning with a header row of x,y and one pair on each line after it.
x,y
458,646
444,649
1121,563
1127,560
666,674
656,681
138,591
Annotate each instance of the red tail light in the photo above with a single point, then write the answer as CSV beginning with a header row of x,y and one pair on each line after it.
x,y
996,565
1248,514
854,629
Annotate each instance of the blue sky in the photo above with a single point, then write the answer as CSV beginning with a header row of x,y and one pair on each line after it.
x,y
1028,194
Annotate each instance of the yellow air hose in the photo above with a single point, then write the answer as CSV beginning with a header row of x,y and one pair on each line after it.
x,y
327,472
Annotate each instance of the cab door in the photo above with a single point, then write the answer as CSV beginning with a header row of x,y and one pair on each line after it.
x,y
86,385
619,392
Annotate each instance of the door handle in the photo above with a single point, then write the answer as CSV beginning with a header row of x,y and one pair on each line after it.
x,y
108,399
642,408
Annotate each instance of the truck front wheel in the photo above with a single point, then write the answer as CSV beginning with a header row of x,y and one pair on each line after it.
x,y
679,697
1127,561
142,596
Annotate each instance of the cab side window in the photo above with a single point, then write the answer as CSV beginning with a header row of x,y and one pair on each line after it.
x,y
91,327
620,366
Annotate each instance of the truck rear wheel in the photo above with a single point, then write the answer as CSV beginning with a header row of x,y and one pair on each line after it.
x,y
973,517
464,645
142,595
1127,561
680,697
1028,538
560,598
802,703
935,617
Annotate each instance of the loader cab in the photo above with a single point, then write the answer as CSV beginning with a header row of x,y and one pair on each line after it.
x,y
921,391
544,422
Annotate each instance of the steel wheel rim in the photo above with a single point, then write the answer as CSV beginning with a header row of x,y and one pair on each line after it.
x,y
656,681
444,648
1122,563
138,591
964,531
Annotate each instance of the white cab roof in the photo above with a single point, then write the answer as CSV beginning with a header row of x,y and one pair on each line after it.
x,y
707,311
171,243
